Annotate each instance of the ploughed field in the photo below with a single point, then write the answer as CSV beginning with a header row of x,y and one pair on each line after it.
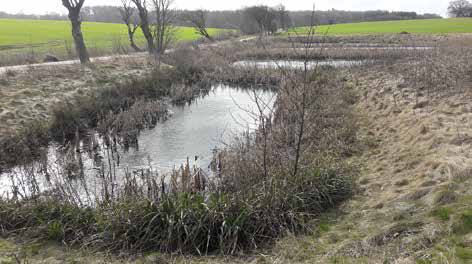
x,y
424,26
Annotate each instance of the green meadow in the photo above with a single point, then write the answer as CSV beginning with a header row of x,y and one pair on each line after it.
x,y
17,34
427,26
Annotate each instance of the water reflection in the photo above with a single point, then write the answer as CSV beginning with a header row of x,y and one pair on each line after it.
x,y
297,64
192,131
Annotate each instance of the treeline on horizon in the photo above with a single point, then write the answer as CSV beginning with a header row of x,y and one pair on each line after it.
x,y
235,19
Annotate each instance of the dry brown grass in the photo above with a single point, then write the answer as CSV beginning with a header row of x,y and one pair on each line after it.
x,y
417,133
415,147
28,95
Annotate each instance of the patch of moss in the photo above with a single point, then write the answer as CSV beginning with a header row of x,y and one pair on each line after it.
x,y
323,226
103,81
442,213
464,224
7,260
423,261
6,246
464,253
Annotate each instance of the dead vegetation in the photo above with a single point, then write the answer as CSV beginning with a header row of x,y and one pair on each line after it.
x,y
415,124
413,202
28,95
305,138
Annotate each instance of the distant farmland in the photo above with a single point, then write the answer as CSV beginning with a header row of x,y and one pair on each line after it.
x,y
427,26
43,36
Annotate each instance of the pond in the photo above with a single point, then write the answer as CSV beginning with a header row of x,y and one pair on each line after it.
x,y
192,131
297,64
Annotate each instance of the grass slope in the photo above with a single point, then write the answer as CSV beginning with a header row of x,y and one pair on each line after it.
x,y
17,32
427,26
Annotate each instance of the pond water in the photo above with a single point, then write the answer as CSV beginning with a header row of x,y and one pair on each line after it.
x,y
367,45
192,131
297,64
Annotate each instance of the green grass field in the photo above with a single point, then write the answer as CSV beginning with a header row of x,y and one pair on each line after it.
x,y
18,34
428,26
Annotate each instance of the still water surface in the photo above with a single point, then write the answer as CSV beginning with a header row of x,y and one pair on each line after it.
x,y
194,130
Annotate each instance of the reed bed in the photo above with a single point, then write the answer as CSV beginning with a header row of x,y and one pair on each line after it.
x,y
332,53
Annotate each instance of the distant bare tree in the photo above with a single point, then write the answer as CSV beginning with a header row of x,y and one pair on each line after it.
x,y
141,5
460,8
165,15
127,13
283,16
264,16
198,20
74,7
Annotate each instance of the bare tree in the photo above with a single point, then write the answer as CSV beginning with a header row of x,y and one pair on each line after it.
x,y
141,5
283,15
264,17
460,8
198,20
74,7
164,17
127,13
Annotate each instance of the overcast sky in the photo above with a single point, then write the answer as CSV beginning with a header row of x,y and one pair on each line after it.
x,y
420,6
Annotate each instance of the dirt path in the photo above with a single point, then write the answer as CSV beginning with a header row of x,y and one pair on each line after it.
x,y
17,68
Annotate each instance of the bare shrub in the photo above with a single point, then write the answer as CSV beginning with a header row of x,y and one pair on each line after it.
x,y
447,70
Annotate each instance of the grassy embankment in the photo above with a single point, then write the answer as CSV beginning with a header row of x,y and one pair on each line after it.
x,y
414,204
427,26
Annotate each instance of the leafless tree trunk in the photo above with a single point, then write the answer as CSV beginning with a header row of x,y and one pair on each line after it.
x,y
282,16
141,5
198,19
74,7
298,99
127,12
164,30
302,107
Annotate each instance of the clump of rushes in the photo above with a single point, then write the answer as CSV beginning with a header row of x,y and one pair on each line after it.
x,y
187,221
24,146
